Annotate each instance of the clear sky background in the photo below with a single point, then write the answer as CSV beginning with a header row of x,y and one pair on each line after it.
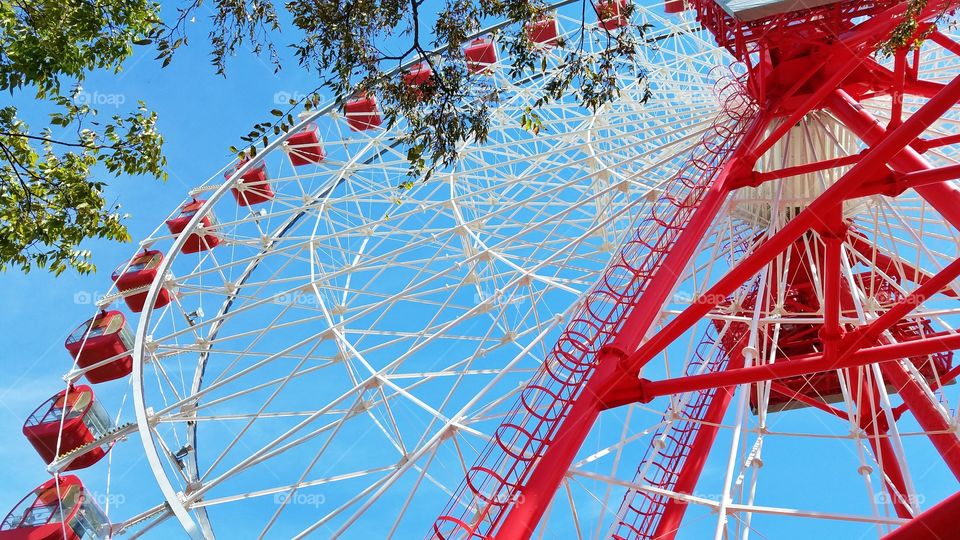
x,y
201,115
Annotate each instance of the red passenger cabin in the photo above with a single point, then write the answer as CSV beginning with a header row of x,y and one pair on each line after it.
x,y
544,32
304,147
67,421
611,13
481,55
674,6
60,509
101,338
134,279
362,113
419,79
253,186
205,238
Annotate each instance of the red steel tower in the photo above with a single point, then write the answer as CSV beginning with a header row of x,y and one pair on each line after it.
x,y
812,309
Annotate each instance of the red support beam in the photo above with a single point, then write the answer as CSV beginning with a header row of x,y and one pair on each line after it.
x,y
874,163
535,495
937,523
813,100
865,395
756,179
899,82
942,381
696,460
944,197
893,185
806,365
889,266
924,145
831,332
927,412
876,328
879,26
931,176
946,42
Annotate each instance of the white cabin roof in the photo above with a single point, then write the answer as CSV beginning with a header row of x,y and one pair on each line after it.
x,y
748,10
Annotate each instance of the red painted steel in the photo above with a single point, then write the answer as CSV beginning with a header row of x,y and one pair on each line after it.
x,y
940,342
816,25
865,394
944,197
937,523
872,164
560,394
678,453
822,61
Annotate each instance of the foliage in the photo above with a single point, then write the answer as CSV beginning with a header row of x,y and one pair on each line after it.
x,y
51,180
909,33
343,41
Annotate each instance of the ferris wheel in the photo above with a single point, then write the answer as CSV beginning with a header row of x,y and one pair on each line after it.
x,y
724,312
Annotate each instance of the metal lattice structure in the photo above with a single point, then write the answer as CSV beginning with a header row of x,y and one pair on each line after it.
x,y
766,250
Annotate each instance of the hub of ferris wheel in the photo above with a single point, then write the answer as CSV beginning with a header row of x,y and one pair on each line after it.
x,y
814,212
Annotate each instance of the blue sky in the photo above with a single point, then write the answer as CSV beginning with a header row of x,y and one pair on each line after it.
x,y
201,115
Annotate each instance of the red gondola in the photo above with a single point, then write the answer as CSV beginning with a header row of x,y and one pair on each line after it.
x,y
674,6
198,241
418,77
138,274
481,54
304,147
60,509
544,32
611,13
362,113
82,419
253,187
102,337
